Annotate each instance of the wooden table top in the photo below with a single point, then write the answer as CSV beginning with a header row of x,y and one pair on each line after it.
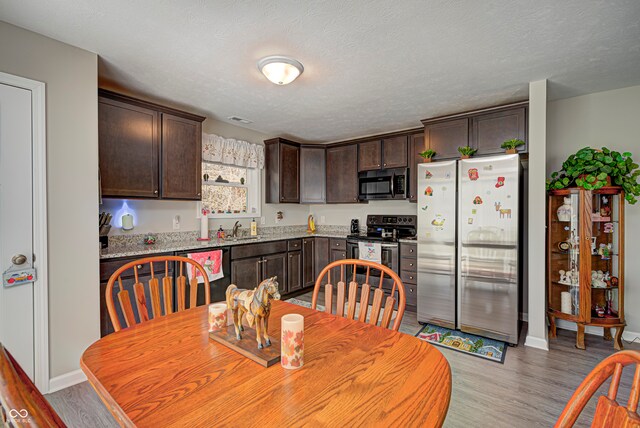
x,y
167,372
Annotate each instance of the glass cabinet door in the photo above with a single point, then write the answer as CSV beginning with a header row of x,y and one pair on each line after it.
x,y
605,256
564,255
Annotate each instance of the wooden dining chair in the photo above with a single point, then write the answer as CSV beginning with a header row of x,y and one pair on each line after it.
x,y
365,291
21,404
153,301
608,412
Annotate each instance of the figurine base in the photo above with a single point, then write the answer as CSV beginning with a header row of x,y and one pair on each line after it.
x,y
248,346
204,239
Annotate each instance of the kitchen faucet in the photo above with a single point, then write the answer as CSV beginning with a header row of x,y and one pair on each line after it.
x,y
234,233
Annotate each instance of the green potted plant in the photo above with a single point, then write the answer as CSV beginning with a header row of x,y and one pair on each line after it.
x,y
593,169
427,155
466,152
510,146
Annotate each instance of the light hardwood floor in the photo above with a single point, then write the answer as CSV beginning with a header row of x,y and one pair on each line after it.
x,y
529,390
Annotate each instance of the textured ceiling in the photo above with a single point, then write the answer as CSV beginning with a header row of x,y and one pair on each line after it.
x,y
370,66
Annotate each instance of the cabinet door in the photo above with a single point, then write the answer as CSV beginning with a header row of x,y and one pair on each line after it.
x,y
294,271
276,265
312,175
246,273
369,156
489,131
416,145
289,173
129,147
308,262
337,254
445,137
181,158
342,174
394,152
321,256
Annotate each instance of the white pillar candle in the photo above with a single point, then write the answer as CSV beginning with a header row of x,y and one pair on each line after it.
x,y
292,341
204,227
565,302
217,316
127,222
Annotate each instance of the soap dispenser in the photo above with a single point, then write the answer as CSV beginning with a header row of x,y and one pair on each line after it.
x,y
254,227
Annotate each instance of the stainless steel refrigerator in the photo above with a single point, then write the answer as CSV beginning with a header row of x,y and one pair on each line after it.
x,y
468,220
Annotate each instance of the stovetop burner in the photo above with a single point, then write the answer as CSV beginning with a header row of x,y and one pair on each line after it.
x,y
388,228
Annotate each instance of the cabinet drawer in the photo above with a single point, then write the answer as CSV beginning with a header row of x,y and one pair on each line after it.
x,y
256,250
411,294
338,244
408,250
108,267
408,278
409,264
294,244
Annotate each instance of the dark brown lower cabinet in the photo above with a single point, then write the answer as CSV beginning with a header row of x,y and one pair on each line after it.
x,y
337,254
294,271
321,255
246,273
276,265
308,262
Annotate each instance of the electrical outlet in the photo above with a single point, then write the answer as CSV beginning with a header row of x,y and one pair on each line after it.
x,y
322,219
263,220
176,222
277,219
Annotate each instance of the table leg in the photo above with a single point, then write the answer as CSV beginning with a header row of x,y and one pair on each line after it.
x,y
607,333
552,327
580,337
617,344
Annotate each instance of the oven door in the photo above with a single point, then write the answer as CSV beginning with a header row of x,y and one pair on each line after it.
x,y
389,256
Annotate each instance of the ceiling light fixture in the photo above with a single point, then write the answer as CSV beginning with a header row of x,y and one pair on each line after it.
x,y
280,70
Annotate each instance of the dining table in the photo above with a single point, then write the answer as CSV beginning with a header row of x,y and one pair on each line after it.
x,y
167,372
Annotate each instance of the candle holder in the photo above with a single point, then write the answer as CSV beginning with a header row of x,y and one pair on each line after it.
x,y
292,341
217,317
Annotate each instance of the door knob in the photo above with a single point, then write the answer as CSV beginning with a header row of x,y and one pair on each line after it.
x,y
19,259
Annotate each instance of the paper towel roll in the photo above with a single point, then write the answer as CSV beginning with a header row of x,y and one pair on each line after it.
x,y
565,302
204,227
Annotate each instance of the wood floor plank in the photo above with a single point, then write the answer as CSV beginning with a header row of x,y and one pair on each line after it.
x,y
529,390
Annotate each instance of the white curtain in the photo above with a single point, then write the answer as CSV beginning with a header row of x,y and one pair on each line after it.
x,y
232,152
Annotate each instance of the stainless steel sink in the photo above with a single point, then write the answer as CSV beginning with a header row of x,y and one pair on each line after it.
x,y
244,238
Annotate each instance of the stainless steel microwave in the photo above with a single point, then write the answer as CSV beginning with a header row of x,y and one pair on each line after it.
x,y
383,184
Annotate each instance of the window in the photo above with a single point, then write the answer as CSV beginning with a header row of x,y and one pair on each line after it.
x,y
230,191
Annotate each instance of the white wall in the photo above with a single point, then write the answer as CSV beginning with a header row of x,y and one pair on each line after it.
x,y
70,75
609,119
157,216
341,214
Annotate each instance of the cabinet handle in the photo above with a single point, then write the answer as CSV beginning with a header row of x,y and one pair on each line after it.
x,y
411,290
411,250
411,264
155,192
290,255
198,194
410,277
139,266
344,255
378,165
384,164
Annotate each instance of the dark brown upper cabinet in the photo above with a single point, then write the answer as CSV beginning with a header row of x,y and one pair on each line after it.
x,y
147,150
370,155
312,175
445,137
342,174
489,131
416,145
181,161
282,163
394,152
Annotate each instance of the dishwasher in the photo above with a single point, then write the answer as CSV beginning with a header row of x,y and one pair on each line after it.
x,y
217,287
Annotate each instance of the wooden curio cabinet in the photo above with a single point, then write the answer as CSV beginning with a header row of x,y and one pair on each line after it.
x,y
585,260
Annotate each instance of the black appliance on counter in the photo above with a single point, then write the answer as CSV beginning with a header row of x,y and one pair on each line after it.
x,y
383,184
355,226
386,230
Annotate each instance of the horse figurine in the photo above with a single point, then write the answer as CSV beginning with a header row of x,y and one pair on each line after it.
x,y
256,305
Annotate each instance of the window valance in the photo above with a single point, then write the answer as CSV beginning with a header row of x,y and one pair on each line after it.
x,y
232,152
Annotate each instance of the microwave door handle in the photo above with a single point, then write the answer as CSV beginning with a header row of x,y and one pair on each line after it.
x,y
393,179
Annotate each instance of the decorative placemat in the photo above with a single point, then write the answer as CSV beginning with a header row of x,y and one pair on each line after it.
x,y
489,349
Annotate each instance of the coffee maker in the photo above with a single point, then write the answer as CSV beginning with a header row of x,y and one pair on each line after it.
x,y
355,226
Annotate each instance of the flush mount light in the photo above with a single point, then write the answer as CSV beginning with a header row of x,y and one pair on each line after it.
x,y
280,69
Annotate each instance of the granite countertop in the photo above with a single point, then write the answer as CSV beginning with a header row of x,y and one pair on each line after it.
x,y
138,248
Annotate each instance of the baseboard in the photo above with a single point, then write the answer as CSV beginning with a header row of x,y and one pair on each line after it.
x,y
536,342
66,380
596,331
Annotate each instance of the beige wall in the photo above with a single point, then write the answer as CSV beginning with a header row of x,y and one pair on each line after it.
x,y
609,119
70,75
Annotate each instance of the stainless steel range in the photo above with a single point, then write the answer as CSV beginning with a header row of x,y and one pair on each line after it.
x,y
386,230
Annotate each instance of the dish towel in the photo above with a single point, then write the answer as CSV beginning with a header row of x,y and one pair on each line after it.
x,y
211,261
370,251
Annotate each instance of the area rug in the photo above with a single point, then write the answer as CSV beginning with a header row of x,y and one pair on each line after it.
x,y
304,304
493,350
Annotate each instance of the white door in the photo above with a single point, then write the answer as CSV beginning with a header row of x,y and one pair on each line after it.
x,y
16,223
